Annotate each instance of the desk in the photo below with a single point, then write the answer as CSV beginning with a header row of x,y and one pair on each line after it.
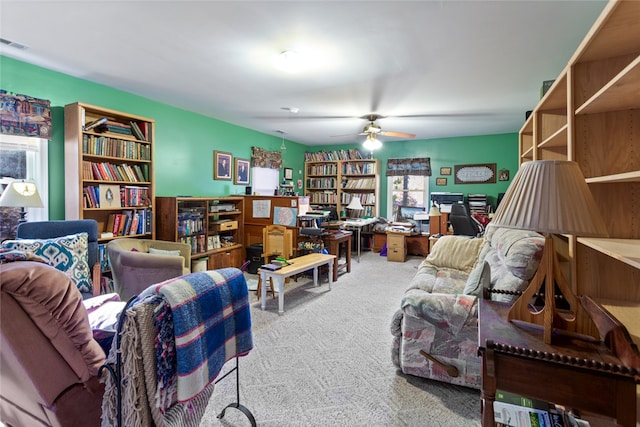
x,y
579,373
297,266
357,225
333,241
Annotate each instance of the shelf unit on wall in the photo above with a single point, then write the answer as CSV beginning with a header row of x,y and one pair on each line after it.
x,y
336,182
109,174
591,115
213,226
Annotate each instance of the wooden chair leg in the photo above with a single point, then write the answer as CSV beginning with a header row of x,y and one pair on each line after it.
x,y
259,289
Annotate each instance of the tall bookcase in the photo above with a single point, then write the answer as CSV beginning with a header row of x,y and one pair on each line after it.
x,y
213,226
109,172
336,182
591,115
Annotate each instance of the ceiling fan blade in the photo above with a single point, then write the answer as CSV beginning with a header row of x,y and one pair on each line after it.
x,y
398,134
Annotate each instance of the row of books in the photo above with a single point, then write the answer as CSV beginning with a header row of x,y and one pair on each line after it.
x,y
321,183
359,184
129,223
358,168
323,198
190,223
114,147
106,171
324,169
125,196
513,410
140,130
320,156
103,257
198,243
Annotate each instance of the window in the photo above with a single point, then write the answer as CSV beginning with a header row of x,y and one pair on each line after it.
x,y
406,190
265,180
23,158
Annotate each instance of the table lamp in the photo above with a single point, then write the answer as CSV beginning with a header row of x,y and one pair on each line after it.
x,y
355,206
551,197
434,218
21,194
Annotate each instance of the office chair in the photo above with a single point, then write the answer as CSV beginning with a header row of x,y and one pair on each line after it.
x,y
464,224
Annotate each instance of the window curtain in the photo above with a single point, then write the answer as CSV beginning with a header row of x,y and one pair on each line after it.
x,y
23,115
262,158
416,166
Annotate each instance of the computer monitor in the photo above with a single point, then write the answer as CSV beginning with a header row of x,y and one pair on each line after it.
x,y
333,212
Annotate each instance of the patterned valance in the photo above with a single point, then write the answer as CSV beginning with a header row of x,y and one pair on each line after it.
x,y
416,166
262,158
23,115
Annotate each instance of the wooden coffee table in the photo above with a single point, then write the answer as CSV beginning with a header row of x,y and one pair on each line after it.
x,y
297,266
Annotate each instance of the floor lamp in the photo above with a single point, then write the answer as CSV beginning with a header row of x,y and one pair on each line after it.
x,y
551,197
21,194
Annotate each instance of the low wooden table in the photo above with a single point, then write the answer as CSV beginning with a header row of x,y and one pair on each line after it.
x,y
297,266
333,241
576,371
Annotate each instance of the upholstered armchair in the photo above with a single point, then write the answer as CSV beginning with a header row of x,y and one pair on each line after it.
x,y
139,263
49,359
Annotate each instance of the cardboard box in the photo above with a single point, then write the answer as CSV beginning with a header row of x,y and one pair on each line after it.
x,y
396,247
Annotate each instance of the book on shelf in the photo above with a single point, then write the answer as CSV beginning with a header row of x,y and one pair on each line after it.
x,y
95,123
513,410
137,132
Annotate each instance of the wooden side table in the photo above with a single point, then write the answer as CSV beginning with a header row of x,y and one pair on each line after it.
x,y
577,371
333,241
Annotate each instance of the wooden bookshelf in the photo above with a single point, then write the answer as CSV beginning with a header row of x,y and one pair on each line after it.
x,y
336,182
109,170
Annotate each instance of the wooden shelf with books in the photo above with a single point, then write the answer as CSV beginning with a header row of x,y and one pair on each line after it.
x,y
109,173
213,226
335,178
591,115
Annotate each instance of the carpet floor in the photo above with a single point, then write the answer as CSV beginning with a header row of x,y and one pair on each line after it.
x,y
327,360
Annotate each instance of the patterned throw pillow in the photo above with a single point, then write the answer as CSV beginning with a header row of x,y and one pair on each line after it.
x,y
69,254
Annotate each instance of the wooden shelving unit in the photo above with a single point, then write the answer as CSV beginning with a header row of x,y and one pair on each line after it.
x,y
591,115
213,226
336,182
108,170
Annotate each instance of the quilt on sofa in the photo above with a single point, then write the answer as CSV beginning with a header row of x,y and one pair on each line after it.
x,y
438,312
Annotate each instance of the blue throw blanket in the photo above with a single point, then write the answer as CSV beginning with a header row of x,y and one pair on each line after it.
x,y
211,322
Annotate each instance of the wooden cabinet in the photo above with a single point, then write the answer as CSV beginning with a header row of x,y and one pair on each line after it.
x,y
337,182
109,174
213,226
591,115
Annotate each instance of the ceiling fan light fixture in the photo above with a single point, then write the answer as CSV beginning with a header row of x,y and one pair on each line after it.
x,y
290,61
372,143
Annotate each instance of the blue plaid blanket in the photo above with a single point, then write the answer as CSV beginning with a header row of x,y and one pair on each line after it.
x,y
211,323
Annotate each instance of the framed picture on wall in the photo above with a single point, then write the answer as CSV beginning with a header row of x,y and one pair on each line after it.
x,y
445,171
441,181
288,174
503,175
222,165
241,174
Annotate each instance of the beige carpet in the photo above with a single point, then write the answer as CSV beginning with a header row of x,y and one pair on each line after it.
x,y
327,361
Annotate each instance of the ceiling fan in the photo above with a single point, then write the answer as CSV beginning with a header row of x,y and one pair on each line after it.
x,y
372,129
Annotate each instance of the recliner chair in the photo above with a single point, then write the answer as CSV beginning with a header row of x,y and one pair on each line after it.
x,y
464,224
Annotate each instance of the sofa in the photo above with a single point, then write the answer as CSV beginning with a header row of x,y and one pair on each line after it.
x,y
435,330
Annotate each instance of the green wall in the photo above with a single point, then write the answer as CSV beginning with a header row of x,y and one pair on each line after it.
x,y
185,140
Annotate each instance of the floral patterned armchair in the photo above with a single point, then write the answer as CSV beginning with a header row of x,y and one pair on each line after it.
x,y
435,331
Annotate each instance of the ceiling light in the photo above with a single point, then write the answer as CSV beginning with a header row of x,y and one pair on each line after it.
x,y
290,61
293,110
282,146
372,143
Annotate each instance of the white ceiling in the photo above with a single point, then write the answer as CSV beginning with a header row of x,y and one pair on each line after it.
x,y
464,67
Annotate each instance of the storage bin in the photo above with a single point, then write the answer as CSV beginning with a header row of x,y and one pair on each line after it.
x,y
254,256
